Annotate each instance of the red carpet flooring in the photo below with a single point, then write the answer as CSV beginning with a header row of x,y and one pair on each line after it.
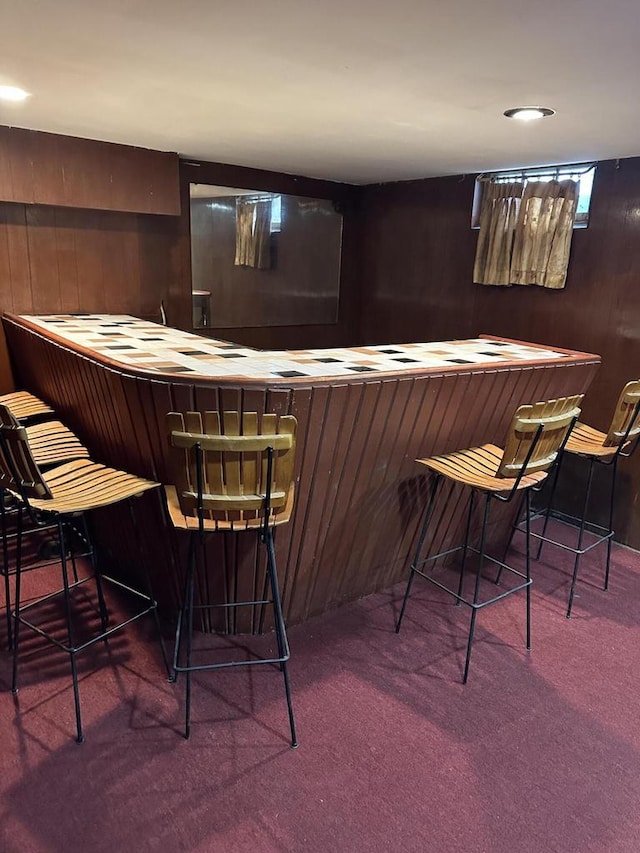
x,y
539,752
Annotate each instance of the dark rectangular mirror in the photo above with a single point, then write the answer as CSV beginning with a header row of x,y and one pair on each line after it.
x,y
263,259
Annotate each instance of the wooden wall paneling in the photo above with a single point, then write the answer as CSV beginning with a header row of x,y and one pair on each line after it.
x,y
336,512
15,151
300,408
366,520
335,437
319,497
43,261
374,555
59,392
66,233
412,491
170,565
14,255
159,263
341,543
140,426
401,499
64,171
93,262
311,422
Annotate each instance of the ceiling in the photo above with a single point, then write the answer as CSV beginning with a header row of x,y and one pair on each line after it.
x,y
358,91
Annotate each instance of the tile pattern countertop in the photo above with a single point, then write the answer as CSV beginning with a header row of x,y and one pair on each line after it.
x,y
142,344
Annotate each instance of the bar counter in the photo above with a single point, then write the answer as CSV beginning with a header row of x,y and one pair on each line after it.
x,y
364,415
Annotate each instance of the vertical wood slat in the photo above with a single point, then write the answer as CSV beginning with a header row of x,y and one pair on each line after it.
x,y
358,491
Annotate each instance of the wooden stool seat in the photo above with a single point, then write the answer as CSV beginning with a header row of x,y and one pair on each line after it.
x,y
23,405
478,468
587,441
52,443
82,485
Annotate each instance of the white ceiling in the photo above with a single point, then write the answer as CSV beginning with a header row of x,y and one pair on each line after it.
x,y
351,90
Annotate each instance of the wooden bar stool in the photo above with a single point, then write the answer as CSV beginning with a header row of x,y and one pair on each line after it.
x,y
24,405
51,443
597,448
536,435
230,477
61,497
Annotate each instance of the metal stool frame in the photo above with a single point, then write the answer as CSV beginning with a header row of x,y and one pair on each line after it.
x,y
22,477
503,497
626,446
205,502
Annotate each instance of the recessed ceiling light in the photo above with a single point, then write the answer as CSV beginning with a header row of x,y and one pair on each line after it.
x,y
13,93
528,113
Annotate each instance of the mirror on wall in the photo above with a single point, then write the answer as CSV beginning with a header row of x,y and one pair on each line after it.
x,y
263,259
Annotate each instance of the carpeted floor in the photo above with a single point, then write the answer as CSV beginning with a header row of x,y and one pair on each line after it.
x,y
539,751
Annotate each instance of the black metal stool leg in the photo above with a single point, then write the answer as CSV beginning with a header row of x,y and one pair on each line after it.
x,y
283,645
16,626
182,613
5,569
583,522
527,504
104,613
514,527
547,514
465,547
265,591
614,477
476,592
70,633
421,539
189,614
282,651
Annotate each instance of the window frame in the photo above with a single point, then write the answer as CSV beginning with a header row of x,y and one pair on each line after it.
x,y
571,170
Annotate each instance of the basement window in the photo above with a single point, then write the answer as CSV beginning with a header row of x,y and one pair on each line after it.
x,y
584,173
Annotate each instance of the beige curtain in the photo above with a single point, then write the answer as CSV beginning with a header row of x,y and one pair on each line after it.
x,y
525,233
244,232
253,233
498,217
543,233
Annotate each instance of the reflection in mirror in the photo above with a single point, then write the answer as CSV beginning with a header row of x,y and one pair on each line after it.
x,y
263,259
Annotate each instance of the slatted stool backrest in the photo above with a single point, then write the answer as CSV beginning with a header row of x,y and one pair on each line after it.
x,y
220,467
625,424
19,472
536,434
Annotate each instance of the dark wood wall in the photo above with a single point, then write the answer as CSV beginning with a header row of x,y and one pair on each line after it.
x,y
418,250
46,168
64,260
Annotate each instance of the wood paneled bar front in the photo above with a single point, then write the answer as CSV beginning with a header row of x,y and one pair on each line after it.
x,y
364,415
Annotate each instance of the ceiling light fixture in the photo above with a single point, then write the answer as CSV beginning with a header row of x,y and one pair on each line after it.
x,y
529,113
13,93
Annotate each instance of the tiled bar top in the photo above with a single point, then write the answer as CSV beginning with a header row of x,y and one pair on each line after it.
x,y
151,347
